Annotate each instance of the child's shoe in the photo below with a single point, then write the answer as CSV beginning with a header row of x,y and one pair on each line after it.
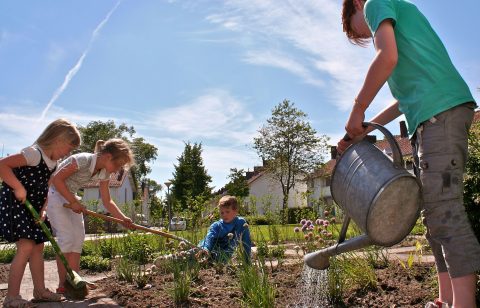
x,y
436,304
17,302
46,295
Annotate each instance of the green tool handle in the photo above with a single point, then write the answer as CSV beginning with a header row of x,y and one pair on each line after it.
x,y
50,238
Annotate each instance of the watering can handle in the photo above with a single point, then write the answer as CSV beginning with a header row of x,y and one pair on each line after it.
x,y
396,153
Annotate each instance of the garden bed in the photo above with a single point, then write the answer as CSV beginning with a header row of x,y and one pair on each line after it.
x,y
396,287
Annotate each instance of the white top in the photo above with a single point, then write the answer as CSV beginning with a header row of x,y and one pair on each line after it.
x,y
86,167
32,155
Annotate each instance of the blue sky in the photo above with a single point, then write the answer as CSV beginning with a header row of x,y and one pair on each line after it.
x,y
199,71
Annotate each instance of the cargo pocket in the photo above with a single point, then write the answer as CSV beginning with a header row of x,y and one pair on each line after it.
x,y
441,178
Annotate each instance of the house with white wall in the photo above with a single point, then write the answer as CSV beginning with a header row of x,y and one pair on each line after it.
x,y
121,185
265,193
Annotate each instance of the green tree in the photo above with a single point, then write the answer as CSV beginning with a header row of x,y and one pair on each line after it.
x,y
98,130
190,178
238,185
471,195
289,147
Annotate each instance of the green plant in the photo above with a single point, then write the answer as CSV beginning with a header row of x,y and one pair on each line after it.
x,y
181,283
141,278
7,254
95,263
256,289
274,234
125,270
137,247
49,252
376,256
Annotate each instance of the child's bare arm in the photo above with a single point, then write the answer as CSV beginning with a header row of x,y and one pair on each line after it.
x,y
6,173
110,204
379,71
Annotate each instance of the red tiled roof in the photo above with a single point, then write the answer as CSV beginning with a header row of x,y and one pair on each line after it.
x,y
116,180
403,143
255,177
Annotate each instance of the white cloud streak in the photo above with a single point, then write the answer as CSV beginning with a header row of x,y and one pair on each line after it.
x,y
74,70
302,37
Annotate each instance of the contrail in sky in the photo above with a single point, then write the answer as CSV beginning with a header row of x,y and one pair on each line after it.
x,y
74,70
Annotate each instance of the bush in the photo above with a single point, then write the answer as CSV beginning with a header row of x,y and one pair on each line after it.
x,y
295,214
49,253
7,254
95,263
138,248
259,220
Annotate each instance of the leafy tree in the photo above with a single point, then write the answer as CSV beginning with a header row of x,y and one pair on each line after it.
x,y
238,185
471,196
98,130
190,178
289,146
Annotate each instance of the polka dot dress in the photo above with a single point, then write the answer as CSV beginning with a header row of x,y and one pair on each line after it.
x,y
16,221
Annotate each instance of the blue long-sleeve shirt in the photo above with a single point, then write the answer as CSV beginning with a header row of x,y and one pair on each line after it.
x,y
217,239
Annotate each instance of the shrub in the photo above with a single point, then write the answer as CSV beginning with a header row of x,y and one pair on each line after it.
x,y
95,263
7,254
138,248
49,252
259,220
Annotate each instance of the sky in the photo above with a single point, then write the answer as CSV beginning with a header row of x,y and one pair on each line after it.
x,y
195,71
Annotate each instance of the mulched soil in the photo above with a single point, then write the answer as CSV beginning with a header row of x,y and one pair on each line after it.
x,y
397,287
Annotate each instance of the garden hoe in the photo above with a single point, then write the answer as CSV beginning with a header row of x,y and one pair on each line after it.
x,y
75,287
135,226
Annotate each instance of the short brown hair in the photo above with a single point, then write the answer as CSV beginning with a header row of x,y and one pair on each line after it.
x,y
228,201
348,10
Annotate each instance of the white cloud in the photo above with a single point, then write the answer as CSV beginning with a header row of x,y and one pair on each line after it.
x,y
214,115
302,37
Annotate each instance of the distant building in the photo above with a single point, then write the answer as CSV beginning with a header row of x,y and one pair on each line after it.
x,y
266,193
122,189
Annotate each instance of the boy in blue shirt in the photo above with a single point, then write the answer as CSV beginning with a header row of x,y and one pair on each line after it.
x,y
439,108
222,237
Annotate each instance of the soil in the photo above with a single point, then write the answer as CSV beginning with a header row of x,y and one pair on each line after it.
x,y
396,287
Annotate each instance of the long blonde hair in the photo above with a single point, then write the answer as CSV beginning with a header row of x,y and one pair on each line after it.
x,y
118,148
59,130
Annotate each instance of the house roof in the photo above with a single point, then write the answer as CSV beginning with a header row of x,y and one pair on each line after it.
x,y
403,143
255,177
116,180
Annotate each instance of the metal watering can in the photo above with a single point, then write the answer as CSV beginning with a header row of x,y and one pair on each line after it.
x,y
379,194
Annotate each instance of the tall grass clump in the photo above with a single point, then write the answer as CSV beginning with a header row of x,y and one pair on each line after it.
x,y
7,253
181,282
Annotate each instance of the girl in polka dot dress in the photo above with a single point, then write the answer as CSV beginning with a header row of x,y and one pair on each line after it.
x,y
26,175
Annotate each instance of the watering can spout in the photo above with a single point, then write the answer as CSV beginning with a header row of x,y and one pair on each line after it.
x,y
320,259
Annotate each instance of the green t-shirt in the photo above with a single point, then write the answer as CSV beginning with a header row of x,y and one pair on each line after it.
x,y
425,82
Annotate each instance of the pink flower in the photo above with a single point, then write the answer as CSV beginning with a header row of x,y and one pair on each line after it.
x,y
318,221
296,229
326,213
309,223
303,222
333,220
